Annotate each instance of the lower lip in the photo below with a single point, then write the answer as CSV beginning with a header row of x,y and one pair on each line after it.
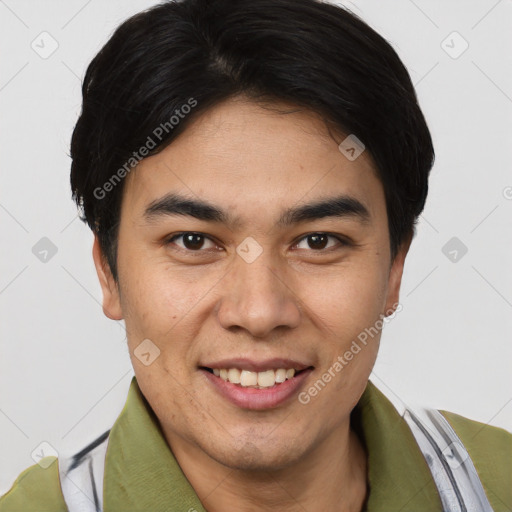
x,y
258,399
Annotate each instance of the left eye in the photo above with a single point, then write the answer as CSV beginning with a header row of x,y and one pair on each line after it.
x,y
319,241
196,241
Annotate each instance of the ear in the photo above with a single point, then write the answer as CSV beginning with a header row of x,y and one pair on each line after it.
x,y
395,276
111,301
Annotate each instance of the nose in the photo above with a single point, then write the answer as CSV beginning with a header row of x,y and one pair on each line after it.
x,y
257,297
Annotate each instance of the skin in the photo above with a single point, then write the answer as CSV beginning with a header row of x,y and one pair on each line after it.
x,y
294,301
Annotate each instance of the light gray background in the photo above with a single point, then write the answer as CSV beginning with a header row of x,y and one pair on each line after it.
x,y
64,367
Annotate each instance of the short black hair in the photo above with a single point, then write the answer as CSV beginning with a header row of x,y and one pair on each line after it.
x,y
197,53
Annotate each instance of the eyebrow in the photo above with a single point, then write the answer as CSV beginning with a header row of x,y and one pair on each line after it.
x,y
174,204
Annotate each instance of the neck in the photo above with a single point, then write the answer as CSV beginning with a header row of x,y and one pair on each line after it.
x,y
332,476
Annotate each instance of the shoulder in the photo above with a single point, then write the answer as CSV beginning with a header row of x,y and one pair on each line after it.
x,y
490,449
36,488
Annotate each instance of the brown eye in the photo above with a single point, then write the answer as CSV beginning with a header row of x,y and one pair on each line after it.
x,y
191,241
319,241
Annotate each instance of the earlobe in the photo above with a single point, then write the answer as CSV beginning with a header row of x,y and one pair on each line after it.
x,y
111,301
395,277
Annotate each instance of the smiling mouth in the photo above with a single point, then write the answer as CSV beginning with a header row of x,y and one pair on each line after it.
x,y
256,380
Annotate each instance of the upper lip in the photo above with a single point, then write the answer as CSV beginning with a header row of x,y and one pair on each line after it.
x,y
256,366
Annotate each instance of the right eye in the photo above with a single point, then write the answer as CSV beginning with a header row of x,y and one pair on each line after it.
x,y
191,241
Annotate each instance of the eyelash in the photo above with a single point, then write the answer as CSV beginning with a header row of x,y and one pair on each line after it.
x,y
342,242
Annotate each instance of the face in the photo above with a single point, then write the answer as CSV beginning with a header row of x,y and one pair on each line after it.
x,y
253,281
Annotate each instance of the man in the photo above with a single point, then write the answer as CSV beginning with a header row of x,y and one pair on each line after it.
x,y
253,171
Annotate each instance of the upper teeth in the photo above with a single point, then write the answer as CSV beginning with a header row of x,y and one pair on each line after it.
x,y
247,378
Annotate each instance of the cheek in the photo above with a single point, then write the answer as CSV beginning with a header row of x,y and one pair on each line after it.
x,y
166,306
348,308
349,300
156,296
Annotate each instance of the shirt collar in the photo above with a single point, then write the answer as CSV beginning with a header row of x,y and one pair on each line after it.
x,y
141,472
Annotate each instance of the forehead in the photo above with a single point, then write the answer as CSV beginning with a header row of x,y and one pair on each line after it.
x,y
246,156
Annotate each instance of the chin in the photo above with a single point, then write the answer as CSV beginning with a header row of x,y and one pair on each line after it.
x,y
262,457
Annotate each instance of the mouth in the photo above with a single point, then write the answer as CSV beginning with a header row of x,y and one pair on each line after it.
x,y
255,380
257,388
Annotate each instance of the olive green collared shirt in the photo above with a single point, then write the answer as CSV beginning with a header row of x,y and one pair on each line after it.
x,y
141,473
